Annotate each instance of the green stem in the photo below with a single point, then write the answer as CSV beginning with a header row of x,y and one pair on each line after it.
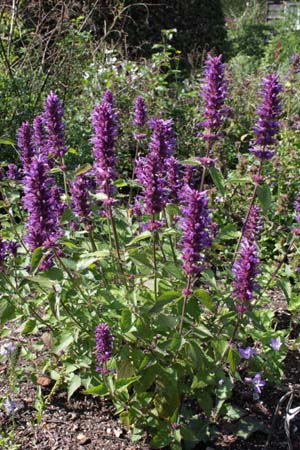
x,y
186,296
154,262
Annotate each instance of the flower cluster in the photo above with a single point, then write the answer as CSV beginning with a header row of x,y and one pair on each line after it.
x,y
163,139
13,172
174,180
104,121
7,248
24,140
214,92
41,200
140,116
103,346
245,270
267,126
196,225
80,188
53,122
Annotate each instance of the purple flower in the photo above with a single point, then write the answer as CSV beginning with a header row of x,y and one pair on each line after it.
x,y
80,196
108,97
268,112
276,343
103,346
13,172
24,140
163,139
53,122
38,134
174,181
12,248
41,201
245,270
257,382
190,175
154,196
140,112
247,352
3,253
254,223
104,121
214,93
196,226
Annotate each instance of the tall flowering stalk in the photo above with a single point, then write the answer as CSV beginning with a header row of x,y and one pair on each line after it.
x,y
140,117
38,134
44,208
163,139
267,127
53,122
25,143
80,188
214,92
103,347
197,227
266,131
104,121
106,129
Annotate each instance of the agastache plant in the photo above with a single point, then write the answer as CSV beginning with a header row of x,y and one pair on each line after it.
x,y
140,117
81,200
38,134
246,264
103,347
104,121
53,121
44,208
214,92
267,127
196,224
25,143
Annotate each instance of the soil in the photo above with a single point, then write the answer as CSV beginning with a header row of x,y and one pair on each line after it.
x,y
88,423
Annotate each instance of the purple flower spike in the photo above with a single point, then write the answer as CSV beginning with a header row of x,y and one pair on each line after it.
x,y
108,97
53,122
24,139
214,93
154,196
104,121
196,225
276,343
13,172
42,202
140,112
163,140
247,353
257,382
80,195
268,112
103,346
254,223
174,181
245,270
38,134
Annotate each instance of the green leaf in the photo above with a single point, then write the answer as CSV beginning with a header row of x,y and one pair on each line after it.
x,y
29,326
100,390
141,237
217,179
167,398
7,141
161,439
205,401
54,274
264,197
125,369
233,359
165,299
205,298
66,339
83,169
73,151
73,385
7,310
123,383
36,258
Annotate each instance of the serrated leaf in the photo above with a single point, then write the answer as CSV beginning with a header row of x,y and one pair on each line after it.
x,y
73,385
165,299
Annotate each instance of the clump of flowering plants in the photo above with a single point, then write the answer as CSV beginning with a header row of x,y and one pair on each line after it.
x,y
142,302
